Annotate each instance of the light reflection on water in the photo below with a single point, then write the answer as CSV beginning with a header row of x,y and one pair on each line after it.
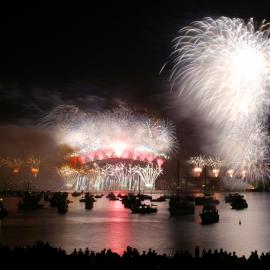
x,y
110,225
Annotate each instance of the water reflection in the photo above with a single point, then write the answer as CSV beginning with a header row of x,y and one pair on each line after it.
x,y
117,231
110,225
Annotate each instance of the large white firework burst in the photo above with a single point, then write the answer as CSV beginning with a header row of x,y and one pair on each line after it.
x,y
222,66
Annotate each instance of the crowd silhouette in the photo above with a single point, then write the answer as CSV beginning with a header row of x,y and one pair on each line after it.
x,y
45,255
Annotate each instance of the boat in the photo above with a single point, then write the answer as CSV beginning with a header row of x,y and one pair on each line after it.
x,y
143,197
47,196
62,207
239,203
143,209
98,196
209,214
76,193
180,206
112,197
89,203
30,201
89,197
111,194
159,199
232,196
130,201
57,198
61,202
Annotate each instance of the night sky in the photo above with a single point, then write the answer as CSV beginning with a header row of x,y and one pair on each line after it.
x,y
98,54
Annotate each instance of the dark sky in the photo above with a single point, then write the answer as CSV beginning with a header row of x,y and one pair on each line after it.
x,y
56,54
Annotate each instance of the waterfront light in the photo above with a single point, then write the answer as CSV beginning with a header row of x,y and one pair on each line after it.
x,y
34,171
16,170
230,172
215,172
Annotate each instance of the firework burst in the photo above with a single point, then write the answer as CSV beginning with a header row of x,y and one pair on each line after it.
x,y
215,164
118,134
223,67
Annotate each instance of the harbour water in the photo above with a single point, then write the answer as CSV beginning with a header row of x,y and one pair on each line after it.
x,y
110,225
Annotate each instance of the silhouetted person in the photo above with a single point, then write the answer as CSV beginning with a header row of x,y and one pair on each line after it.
x,y
19,257
197,252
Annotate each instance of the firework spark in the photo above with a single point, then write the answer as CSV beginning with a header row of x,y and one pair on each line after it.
x,y
198,162
119,176
223,67
14,163
68,174
215,164
34,163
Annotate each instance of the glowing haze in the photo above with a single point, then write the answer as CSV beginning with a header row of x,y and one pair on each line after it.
x,y
222,67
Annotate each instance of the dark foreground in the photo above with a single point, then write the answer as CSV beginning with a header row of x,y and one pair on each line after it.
x,y
42,255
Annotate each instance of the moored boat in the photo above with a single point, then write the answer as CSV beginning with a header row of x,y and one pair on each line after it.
x,y
76,193
112,197
30,201
159,199
239,203
89,203
143,197
87,196
130,201
62,207
143,209
232,196
98,196
209,214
